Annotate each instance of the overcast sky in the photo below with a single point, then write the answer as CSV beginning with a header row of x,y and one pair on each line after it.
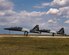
x,y
49,14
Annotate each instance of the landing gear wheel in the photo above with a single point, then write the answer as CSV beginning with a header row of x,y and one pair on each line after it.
x,y
25,33
53,34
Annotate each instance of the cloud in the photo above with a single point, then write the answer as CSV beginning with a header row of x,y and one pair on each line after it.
x,y
64,12
33,13
7,15
53,11
60,3
10,13
5,5
2,13
67,21
54,3
10,17
51,21
22,18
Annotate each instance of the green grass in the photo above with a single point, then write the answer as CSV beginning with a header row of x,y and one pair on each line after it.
x,y
33,46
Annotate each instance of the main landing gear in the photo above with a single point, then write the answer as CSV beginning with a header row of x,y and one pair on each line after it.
x,y
26,33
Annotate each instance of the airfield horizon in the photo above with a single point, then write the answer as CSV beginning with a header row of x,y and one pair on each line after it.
x,y
34,36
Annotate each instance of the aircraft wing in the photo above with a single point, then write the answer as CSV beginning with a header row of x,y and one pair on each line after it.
x,y
52,31
25,29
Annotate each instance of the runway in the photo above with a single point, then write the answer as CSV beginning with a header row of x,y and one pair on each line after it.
x,y
33,36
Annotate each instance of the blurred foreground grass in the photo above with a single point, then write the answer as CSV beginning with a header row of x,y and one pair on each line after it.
x,y
33,46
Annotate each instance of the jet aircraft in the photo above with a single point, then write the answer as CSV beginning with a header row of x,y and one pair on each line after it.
x,y
60,32
36,29
18,29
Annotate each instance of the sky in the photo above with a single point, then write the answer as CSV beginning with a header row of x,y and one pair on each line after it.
x,y
49,14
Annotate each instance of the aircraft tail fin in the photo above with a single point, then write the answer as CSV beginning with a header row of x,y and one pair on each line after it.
x,y
36,28
61,31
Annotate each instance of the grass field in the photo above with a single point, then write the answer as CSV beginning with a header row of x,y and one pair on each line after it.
x,y
34,46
